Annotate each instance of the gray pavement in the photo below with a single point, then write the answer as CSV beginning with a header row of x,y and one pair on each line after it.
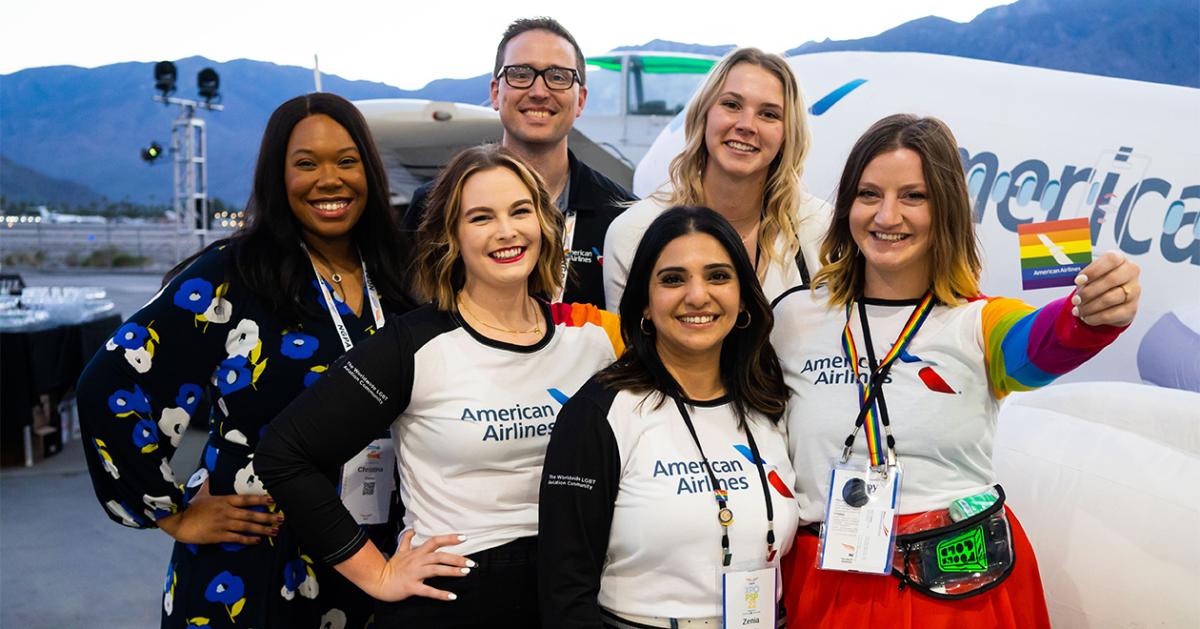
x,y
63,563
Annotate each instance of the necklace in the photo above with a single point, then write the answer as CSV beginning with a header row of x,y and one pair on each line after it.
x,y
537,328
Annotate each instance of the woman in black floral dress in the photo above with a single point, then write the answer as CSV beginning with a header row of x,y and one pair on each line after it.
x,y
238,332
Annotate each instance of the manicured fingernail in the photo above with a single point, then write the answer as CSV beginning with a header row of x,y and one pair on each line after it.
x,y
279,518
1075,311
1075,300
274,531
462,538
1081,279
270,500
471,563
452,597
465,570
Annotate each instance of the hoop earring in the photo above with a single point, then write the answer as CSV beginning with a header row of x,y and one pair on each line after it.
x,y
747,324
642,327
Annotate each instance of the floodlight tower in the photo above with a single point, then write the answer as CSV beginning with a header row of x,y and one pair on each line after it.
x,y
189,147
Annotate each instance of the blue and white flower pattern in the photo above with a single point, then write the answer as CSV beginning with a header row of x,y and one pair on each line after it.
x,y
298,345
203,346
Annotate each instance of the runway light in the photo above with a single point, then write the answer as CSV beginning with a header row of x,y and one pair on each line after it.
x,y
209,84
164,77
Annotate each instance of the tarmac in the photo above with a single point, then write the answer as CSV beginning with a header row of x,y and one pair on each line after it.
x,y
63,563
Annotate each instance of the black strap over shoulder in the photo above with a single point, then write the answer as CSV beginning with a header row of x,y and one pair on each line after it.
x,y
802,265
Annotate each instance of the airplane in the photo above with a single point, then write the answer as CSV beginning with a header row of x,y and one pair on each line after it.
x,y
69,219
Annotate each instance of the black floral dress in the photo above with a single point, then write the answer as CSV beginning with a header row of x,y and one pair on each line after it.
x,y
205,344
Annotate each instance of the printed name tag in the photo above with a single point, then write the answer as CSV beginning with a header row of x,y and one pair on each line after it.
x,y
368,481
860,517
748,598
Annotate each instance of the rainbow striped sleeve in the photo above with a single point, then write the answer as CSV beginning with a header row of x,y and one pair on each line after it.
x,y
1025,348
576,315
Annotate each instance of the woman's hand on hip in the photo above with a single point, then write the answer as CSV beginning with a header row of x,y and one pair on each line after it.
x,y
405,572
210,519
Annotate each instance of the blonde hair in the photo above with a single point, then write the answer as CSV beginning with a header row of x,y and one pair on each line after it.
x,y
438,269
954,257
781,195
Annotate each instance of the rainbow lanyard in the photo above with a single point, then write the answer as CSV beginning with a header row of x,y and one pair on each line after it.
x,y
868,389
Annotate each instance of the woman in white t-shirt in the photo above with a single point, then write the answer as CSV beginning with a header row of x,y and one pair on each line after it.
x,y
746,138
469,386
653,457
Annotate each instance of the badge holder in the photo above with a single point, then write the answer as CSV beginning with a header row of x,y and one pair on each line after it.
x,y
748,594
367,482
859,532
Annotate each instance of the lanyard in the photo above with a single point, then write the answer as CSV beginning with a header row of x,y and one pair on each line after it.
x,y
372,297
569,217
869,390
724,513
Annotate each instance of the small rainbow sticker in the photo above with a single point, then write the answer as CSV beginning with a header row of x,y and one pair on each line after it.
x,y
1054,252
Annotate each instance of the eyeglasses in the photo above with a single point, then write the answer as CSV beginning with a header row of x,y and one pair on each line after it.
x,y
523,76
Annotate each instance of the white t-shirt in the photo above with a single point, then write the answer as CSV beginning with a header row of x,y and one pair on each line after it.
x,y
628,516
942,403
470,420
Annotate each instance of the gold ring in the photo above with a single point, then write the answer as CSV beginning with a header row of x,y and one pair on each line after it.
x,y
1126,289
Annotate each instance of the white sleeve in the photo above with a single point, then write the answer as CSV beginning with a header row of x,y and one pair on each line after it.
x,y
620,243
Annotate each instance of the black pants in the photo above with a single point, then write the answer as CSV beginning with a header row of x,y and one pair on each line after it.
x,y
501,591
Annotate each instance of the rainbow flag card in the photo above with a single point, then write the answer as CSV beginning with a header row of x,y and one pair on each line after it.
x,y
1054,252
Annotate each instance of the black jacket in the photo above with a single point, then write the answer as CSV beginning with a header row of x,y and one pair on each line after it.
x,y
596,200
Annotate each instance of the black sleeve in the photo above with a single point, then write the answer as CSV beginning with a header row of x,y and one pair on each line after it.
x,y
579,487
354,402
416,208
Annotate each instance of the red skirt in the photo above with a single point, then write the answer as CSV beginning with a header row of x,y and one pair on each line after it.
x,y
844,600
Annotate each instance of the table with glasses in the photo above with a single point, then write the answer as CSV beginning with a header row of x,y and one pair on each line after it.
x,y
47,335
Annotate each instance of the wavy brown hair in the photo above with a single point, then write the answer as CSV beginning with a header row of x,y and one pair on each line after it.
x,y
954,257
781,197
438,269
750,370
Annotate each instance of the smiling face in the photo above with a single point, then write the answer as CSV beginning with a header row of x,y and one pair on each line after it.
x,y
325,179
537,115
499,236
890,222
743,130
694,299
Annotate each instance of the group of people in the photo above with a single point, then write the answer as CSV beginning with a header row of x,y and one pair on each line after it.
x,y
434,421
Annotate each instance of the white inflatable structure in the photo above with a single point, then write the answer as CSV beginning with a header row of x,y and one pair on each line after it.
x,y
1103,478
1104,475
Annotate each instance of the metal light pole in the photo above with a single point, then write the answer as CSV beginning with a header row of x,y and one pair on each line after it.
x,y
189,146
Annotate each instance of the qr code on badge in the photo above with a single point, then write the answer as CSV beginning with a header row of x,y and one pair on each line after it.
x,y
369,488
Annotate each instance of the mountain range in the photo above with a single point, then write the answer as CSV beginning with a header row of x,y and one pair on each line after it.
x,y
69,134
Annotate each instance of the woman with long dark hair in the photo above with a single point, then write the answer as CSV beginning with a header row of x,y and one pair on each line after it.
x,y
896,366
631,535
239,330
470,385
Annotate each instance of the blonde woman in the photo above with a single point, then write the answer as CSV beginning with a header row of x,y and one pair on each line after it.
x,y
746,141
470,385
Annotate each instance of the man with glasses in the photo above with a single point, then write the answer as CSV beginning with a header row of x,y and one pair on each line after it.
x,y
539,88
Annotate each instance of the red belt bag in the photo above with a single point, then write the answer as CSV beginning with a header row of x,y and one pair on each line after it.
x,y
955,560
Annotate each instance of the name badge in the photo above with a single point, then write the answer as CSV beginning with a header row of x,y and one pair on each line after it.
x,y
748,597
859,534
368,482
